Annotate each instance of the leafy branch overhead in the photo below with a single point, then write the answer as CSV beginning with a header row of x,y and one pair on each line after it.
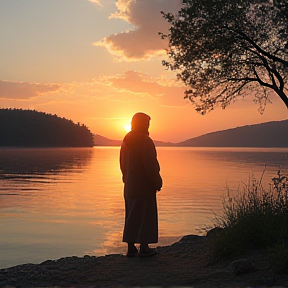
x,y
226,49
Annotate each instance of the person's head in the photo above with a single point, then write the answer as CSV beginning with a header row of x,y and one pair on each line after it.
x,y
140,123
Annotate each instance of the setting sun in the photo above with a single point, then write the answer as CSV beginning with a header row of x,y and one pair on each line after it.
x,y
127,127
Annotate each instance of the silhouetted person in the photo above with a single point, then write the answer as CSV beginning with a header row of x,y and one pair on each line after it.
x,y
142,180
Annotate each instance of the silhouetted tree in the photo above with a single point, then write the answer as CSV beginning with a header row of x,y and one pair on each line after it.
x,y
37,129
224,49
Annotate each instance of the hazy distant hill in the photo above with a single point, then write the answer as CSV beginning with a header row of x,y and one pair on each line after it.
x,y
269,134
30,128
103,141
164,144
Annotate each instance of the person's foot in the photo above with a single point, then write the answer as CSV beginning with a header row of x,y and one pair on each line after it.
x,y
147,252
132,251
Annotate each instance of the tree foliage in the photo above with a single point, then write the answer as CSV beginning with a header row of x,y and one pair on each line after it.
x,y
226,49
27,128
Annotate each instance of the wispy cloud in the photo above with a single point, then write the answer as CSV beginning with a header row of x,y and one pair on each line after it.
x,y
143,41
109,118
126,87
166,91
22,90
96,2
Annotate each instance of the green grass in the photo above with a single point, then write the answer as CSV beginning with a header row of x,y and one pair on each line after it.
x,y
254,218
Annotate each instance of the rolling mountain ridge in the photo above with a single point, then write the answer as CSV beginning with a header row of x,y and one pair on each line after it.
x,y
268,134
103,141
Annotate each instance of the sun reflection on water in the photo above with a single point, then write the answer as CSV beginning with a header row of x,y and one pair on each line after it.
x,y
63,202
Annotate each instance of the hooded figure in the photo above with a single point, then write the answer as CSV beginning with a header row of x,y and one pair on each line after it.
x,y
141,178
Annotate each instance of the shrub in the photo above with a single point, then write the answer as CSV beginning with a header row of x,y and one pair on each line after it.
x,y
253,219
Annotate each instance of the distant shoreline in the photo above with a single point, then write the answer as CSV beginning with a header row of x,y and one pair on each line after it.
x,y
262,135
161,146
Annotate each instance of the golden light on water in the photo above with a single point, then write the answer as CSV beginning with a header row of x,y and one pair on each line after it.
x,y
70,210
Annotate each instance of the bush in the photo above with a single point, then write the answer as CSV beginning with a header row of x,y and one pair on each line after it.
x,y
253,219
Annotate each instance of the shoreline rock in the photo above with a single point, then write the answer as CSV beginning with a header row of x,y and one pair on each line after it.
x,y
184,263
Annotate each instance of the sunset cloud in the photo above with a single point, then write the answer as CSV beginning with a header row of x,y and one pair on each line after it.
x,y
143,41
165,91
22,91
96,2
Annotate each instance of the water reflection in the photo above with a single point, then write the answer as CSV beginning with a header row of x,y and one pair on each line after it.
x,y
63,202
16,162
29,165
56,202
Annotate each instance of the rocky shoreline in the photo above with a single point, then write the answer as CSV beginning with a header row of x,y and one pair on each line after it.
x,y
185,263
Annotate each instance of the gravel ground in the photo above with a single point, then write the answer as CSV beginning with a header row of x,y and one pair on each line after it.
x,y
183,264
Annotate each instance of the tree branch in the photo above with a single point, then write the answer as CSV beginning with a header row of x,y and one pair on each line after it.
x,y
258,48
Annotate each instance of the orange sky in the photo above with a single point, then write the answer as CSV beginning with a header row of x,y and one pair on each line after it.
x,y
98,62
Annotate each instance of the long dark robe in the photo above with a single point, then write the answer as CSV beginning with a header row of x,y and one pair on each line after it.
x,y
141,177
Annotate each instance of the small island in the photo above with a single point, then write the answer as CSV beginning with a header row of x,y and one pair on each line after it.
x,y
30,128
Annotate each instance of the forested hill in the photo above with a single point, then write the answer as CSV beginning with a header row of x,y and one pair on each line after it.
x,y
27,128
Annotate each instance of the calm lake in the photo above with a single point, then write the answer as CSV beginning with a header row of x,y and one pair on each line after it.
x,y
63,202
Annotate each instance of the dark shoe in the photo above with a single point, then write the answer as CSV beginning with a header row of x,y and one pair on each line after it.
x,y
132,252
148,252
